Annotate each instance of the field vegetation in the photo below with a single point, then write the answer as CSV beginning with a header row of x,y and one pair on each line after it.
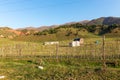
x,y
71,31
21,56
65,69
20,60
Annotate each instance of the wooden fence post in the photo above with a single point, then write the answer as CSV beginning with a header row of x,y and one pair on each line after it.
x,y
103,53
57,51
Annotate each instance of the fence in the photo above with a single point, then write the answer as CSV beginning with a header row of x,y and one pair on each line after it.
x,y
85,51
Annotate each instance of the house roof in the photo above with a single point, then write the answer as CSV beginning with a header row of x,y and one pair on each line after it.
x,y
76,39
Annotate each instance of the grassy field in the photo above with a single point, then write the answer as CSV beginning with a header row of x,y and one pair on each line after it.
x,y
21,60
63,69
18,48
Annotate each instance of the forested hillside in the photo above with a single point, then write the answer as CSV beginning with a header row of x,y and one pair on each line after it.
x,y
70,31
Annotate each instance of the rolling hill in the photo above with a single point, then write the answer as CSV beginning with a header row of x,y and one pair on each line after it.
x,y
6,32
109,26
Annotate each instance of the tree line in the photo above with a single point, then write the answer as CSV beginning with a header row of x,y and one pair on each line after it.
x,y
95,29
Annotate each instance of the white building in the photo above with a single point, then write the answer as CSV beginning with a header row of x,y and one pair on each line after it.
x,y
51,43
76,42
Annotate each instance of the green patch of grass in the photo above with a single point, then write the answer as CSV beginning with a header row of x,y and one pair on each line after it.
x,y
65,69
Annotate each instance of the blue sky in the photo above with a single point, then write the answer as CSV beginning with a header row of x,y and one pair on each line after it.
x,y
36,13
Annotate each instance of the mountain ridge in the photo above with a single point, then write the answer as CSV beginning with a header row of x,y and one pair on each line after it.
x,y
98,21
98,26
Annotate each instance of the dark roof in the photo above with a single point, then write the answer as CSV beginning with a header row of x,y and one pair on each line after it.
x,y
76,39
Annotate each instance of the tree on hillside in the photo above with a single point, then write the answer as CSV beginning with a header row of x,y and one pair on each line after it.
x,y
44,32
91,28
111,27
52,31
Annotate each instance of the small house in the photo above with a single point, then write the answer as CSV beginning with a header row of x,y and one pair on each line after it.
x,y
77,42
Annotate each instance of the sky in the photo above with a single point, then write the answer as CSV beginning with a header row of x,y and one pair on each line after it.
x,y
35,13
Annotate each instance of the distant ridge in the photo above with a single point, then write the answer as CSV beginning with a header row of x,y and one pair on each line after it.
x,y
111,20
99,26
98,21
105,21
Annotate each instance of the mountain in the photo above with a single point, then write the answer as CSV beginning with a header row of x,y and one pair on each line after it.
x,y
32,30
111,20
84,22
100,26
98,21
46,27
104,21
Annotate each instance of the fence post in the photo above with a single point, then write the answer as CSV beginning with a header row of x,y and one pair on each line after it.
x,y
118,51
103,53
57,51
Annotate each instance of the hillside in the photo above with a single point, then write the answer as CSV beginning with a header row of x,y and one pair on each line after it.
x,y
111,20
99,21
109,26
104,21
68,32
6,32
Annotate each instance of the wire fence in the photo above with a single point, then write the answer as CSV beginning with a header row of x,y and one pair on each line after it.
x,y
85,51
